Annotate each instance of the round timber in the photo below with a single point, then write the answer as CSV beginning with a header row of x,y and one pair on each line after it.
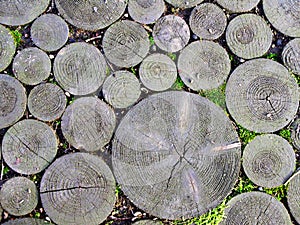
x,y
27,221
184,4
293,196
291,56
238,6
7,47
295,133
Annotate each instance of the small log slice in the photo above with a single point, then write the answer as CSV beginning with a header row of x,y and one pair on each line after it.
x,y
171,33
269,160
90,14
203,65
47,102
158,72
238,6
146,11
49,32
295,133
176,154
208,21
256,208
19,196
78,189
147,222
80,68
184,3
283,15
293,196
126,43
31,66
88,123
27,221
15,12
291,56
12,100
262,96
121,89
248,36
29,146
7,47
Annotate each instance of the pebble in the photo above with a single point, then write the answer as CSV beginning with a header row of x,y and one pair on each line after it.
x,y
51,56
279,42
194,36
67,94
260,188
242,60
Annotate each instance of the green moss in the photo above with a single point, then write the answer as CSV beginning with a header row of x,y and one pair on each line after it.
x,y
278,192
5,170
178,85
272,56
286,134
246,135
133,70
172,56
216,95
244,185
17,37
212,217
118,191
151,39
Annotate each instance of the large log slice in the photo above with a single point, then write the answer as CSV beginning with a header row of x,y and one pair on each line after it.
x,y
90,14
176,154
184,3
78,189
256,208
262,96
27,221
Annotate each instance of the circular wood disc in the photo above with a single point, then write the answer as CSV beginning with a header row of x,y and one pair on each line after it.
x,y
269,160
238,5
176,154
31,66
126,43
248,36
19,196
295,133
49,32
293,196
256,208
208,21
90,14
147,222
284,15
158,72
47,102
15,12
146,11
121,89
7,47
171,33
12,100
184,3
262,96
88,123
29,146
78,188
203,65
291,56
80,68
26,221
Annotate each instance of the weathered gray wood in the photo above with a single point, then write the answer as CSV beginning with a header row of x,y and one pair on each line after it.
x,y
269,160
175,154
184,3
12,100
47,102
256,208
283,15
238,6
89,14
208,21
80,68
49,32
262,96
147,222
291,56
126,43
78,188
19,196
295,133
121,89
171,33
203,65
158,72
7,47
15,12
26,221
248,36
293,196
29,146
146,11
31,66
88,123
